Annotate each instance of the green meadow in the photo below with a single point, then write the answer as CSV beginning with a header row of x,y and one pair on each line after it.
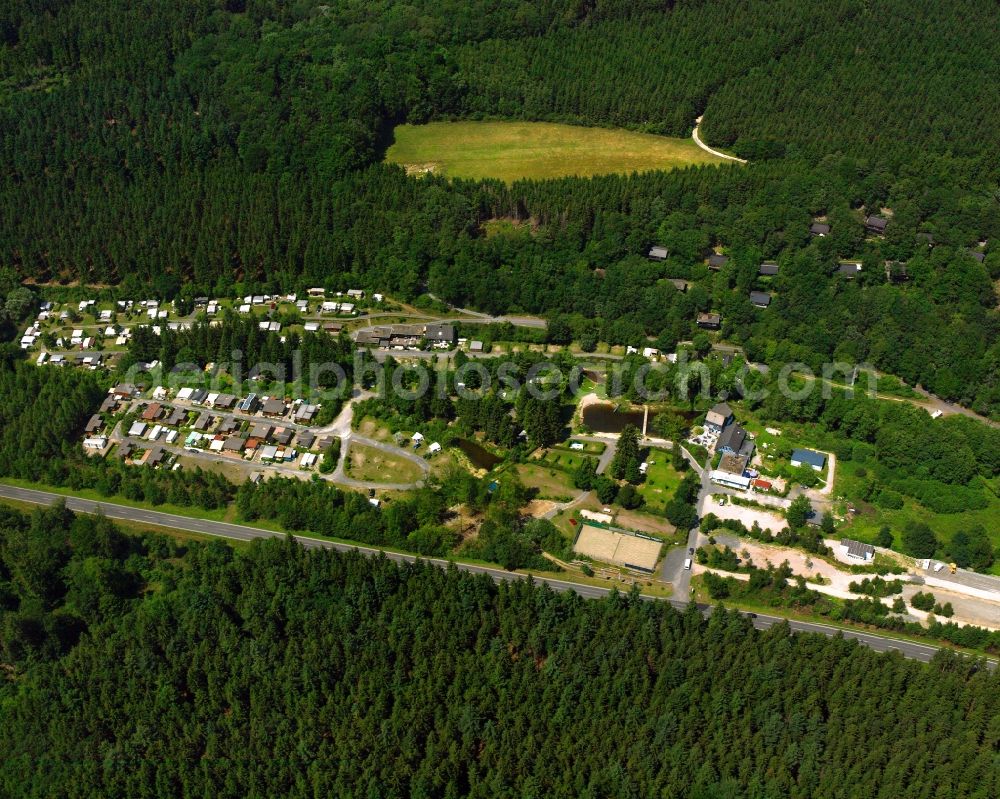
x,y
510,151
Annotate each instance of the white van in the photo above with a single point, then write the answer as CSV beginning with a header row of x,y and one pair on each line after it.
x,y
687,563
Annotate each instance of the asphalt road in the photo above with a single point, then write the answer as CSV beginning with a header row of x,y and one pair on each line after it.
x,y
240,532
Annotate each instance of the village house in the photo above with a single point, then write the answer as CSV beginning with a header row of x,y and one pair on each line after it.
x,y
857,550
719,417
767,269
658,253
760,299
876,225
709,321
819,229
808,457
304,414
849,269
717,261
273,407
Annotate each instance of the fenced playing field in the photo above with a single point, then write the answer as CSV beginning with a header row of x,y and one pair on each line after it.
x,y
609,546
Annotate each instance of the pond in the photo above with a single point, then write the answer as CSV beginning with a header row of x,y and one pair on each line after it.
x,y
603,417
480,457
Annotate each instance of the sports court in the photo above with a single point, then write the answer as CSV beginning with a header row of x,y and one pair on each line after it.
x,y
610,546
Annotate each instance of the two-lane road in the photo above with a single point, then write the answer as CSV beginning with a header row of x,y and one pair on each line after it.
x,y
241,532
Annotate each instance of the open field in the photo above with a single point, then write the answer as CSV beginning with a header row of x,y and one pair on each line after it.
x,y
510,151
368,463
661,480
551,483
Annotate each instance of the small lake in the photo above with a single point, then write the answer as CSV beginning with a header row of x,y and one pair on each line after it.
x,y
480,457
603,417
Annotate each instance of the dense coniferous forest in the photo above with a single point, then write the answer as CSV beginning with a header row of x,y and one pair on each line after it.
x,y
137,668
225,147
220,147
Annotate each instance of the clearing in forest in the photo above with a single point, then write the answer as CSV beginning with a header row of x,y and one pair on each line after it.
x,y
513,150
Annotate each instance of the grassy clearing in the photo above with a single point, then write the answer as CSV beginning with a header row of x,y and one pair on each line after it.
x,y
368,463
551,483
511,151
870,519
662,480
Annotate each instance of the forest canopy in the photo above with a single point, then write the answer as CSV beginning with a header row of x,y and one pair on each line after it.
x,y
214,671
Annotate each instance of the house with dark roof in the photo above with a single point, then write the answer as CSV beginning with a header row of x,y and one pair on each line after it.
x,y
261,430
709,321
224,401
176,417
857,550
94,423
440,333
717,261
979,256
732,440
658,253
876,224
767,269
719,417
849,269
273,407
808,457
305,439
283,436
234,444
228,425
204,421
819,229
154,456
760,299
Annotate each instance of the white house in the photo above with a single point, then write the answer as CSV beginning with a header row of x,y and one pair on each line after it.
x,y
857,550
95,443
434,448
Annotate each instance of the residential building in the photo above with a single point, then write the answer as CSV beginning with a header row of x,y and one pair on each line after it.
x,y
273,407
760,299
875,224
717,261
808,457
732,440
719,417
857,550
819,229
768,269
658,253
709,321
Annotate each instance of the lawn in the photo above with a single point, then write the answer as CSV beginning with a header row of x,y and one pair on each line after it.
x,y
374,465
510,151
661,480
551,483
